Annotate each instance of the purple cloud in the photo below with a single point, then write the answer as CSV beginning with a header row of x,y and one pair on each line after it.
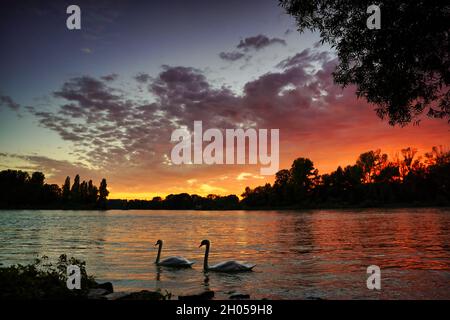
x,y
231,56
143,78
110,77
259,42
120,134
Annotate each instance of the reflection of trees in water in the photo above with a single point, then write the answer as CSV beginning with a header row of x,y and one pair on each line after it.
x,y
294,233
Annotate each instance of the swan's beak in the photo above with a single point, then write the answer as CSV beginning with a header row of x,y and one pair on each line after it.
x,y
156,244
200,246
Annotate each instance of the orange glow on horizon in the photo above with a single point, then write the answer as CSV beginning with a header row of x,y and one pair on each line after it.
x,y
233,185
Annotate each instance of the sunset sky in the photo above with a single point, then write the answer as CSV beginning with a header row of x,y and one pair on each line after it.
x,y
103,101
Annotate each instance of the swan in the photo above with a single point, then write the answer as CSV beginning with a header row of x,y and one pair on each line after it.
x,y
226,266
174,262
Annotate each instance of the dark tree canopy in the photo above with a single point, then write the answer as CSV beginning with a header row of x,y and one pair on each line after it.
x,y
20,190
403,67
374,180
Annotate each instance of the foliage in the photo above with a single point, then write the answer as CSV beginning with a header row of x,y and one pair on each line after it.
x,y
403,68
42,280
182,201
373,181
19,190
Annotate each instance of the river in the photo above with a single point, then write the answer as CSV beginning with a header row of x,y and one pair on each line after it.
x,y
298,255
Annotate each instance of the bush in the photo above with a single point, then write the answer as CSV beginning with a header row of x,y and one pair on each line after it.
x,y
42,280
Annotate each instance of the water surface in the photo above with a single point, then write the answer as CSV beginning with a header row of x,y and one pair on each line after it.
x,y
299,255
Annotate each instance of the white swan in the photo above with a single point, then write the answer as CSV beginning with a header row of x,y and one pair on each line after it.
x,y
174,262
226,266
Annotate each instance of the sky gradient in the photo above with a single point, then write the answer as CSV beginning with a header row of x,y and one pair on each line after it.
x,y
103,101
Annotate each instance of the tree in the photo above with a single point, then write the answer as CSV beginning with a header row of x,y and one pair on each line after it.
x,y
371,163
403,67
282,187
20,190
35,187
75,191
303,175
37,179
84,192
406,163
92,192
66,190
437,156
282,177
388,174
103,193
258,197
179,201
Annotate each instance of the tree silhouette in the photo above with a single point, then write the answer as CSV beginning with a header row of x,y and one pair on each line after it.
x,y
19,190
66,190
37,179
303,175
84,192
403,67
92,192
75,191
283,188
406,165
372,181
371,163
103,193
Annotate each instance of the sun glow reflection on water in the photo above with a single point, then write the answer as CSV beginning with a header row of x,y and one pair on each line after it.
x,y
299,255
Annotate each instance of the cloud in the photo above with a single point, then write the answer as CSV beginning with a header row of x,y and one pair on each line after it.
x,y
55,168
250,43
116,133
206,188
304,59
9,103
106,127
110,77
245,175
86,50
113,131
192,181
143,78
259,42
231,56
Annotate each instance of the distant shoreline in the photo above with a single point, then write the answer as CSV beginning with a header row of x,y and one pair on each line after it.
x,y
291,208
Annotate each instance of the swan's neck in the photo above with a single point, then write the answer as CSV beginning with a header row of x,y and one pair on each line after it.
x,y
205,262
159,253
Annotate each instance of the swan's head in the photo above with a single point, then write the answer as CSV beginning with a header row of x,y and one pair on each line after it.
x,y
204,243
158,243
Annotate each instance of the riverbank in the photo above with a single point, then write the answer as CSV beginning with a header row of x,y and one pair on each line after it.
x,y
42,280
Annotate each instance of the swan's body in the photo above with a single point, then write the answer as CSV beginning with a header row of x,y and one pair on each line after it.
x,y
173,262
231,266
226,266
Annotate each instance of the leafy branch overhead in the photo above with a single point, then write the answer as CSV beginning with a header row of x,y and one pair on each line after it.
x,y
403,68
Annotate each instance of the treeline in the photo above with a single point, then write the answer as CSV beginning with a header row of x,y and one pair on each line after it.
x,y
182,201
374,180
20,190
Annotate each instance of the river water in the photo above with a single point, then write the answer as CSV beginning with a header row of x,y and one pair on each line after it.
x,y
298,255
